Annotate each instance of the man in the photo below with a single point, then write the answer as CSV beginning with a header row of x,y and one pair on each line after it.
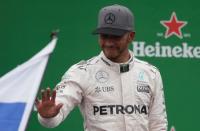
x,y
115,91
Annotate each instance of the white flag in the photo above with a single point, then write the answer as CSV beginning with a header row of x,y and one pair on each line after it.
x,y
18,90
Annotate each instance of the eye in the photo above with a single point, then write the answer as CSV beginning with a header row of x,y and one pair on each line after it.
x,y
106,36
116,37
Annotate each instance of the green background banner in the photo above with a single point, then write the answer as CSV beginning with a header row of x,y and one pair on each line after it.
x,y
167,36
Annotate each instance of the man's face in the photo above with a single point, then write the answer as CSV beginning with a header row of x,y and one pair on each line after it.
x,y
115,48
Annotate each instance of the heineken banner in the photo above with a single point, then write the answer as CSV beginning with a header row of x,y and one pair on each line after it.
x,y
167,36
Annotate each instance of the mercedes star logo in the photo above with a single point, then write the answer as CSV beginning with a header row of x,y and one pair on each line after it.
x,y
109,18
102,76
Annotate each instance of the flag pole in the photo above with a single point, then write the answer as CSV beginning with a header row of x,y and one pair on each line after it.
x,y
53,35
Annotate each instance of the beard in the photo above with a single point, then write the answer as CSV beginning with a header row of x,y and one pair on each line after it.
x,y
112,53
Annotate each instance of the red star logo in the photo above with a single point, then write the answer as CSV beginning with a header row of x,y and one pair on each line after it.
x,y
173,26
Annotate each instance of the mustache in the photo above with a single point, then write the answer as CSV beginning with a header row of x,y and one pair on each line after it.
x,y
109,45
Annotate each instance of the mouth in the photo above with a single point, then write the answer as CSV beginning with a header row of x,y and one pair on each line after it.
x,y
110,50
109,47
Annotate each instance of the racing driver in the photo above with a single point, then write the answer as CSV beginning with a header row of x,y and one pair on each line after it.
x,y
114,90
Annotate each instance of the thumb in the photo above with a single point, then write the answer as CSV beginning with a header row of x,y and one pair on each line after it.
x,y
58,107
37,101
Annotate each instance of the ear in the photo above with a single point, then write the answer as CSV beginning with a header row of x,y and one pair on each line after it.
x,y
131,36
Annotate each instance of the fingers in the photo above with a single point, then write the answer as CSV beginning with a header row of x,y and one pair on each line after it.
x,y
48,91
43,95
46,94
37,102
53,96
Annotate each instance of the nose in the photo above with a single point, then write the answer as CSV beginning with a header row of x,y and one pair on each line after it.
x,y
109,42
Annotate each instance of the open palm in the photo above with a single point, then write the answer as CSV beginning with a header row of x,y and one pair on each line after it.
x,y
47,107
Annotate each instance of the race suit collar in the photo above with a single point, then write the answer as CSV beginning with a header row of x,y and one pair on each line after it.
x,y
118,67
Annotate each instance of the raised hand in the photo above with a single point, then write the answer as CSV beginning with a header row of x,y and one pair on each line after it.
x,y
47,107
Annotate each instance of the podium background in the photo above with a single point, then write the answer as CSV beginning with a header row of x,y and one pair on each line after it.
x,y
25,26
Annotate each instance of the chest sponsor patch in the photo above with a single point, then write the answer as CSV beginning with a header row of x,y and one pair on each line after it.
x,y
120,109
100,89
143,87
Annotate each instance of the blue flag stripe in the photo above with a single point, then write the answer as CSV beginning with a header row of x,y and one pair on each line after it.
x,y
11,115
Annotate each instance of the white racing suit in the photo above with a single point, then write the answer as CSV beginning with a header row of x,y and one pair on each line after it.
x,y
112,96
